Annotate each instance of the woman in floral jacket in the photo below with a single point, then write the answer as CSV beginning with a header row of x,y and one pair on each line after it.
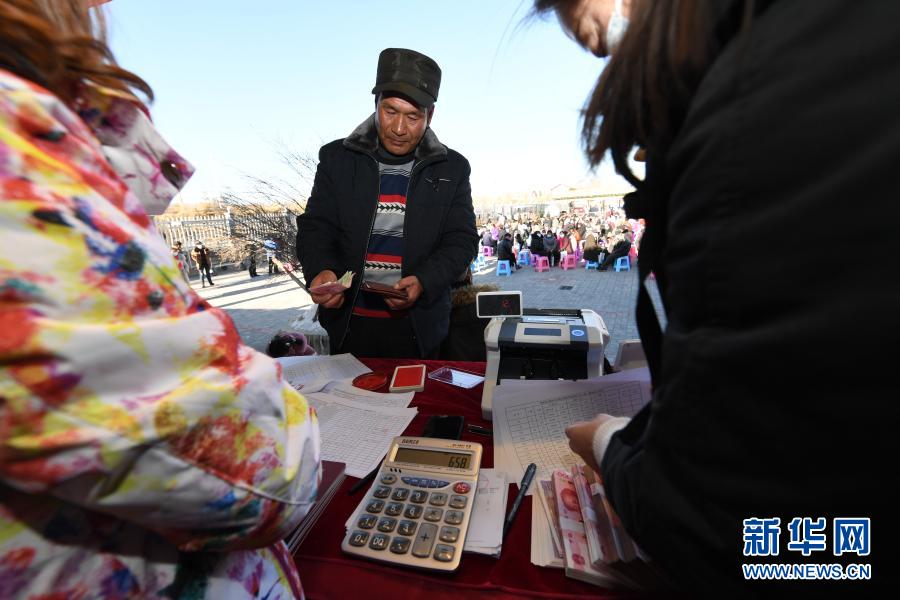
x,y
144,450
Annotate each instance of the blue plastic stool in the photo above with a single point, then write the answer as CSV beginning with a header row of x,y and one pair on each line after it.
x,y
622,264
524,257
591,265
503,268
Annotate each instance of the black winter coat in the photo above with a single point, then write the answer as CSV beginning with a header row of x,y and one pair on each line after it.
x,y
775,394
440,238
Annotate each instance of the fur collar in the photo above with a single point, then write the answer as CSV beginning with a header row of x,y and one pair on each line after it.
x,y
365,139
465,295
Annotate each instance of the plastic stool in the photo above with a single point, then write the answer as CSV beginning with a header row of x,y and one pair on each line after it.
x,y
503,268
487,250
541,263
622,264
591,265
569,262
524,257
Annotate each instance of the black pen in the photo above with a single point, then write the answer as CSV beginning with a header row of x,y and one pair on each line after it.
x,y
523,487
480,430
359,484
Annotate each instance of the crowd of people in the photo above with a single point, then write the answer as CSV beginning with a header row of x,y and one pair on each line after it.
x,y
599,239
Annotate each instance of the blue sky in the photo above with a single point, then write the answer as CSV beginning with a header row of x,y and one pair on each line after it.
x,y
234,78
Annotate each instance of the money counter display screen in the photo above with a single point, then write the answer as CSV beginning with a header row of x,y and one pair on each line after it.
x,y
436,458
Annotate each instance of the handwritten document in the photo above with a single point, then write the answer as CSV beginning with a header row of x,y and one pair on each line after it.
x,y
530,417
357,433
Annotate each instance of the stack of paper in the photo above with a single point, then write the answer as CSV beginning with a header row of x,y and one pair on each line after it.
x,y
357,433
485,533
356,426
530,417
332,476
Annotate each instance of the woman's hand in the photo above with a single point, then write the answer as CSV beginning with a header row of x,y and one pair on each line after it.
x,y
581,439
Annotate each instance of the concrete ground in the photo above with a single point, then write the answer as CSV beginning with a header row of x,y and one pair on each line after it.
x,y
262,306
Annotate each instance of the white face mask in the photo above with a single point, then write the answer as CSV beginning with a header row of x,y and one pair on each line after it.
x,y
615,29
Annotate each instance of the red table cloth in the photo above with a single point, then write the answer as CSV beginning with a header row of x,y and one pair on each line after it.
x,y
326,572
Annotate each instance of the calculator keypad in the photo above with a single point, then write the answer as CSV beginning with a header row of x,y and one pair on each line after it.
x,y
367,522
407,528
400,545
359,538
454,517
424,540
458,501
422,519
449,534
444,553
387,524
379,541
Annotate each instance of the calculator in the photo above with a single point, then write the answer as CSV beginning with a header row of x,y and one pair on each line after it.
x,y
416,514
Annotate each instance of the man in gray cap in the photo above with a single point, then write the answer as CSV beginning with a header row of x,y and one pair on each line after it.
x,y
392,204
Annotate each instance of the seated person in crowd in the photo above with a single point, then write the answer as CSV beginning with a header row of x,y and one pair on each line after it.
x,y
486,239
145,451
565,242
622,248
551,247
505,251
591,250
537,243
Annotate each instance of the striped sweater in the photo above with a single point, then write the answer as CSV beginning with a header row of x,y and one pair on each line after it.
x,y
384,254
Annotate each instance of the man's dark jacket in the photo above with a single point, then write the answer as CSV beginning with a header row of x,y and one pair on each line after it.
x,y
439,238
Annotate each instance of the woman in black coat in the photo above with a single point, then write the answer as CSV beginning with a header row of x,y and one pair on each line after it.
x,y
761,121
537,244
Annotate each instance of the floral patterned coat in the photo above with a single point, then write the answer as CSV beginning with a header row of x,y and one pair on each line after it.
x,y
144,450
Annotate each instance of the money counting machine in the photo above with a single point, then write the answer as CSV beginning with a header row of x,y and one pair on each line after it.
x,y
542,344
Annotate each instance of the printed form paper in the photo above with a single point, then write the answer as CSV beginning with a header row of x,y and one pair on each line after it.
x,y
356,433
301,371
530,417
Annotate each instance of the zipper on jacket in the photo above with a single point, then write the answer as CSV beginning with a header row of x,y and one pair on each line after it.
x,y
362,269
416,169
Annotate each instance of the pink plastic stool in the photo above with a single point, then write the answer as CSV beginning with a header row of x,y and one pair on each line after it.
x,y
569,262
487,250
541,264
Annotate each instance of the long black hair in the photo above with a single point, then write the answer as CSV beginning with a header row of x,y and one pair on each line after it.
x,y
642,96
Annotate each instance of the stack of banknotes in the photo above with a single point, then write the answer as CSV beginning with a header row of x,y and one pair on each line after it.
x,y
588,540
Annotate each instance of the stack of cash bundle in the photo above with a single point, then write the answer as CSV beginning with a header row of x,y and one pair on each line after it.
x,y
588,539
